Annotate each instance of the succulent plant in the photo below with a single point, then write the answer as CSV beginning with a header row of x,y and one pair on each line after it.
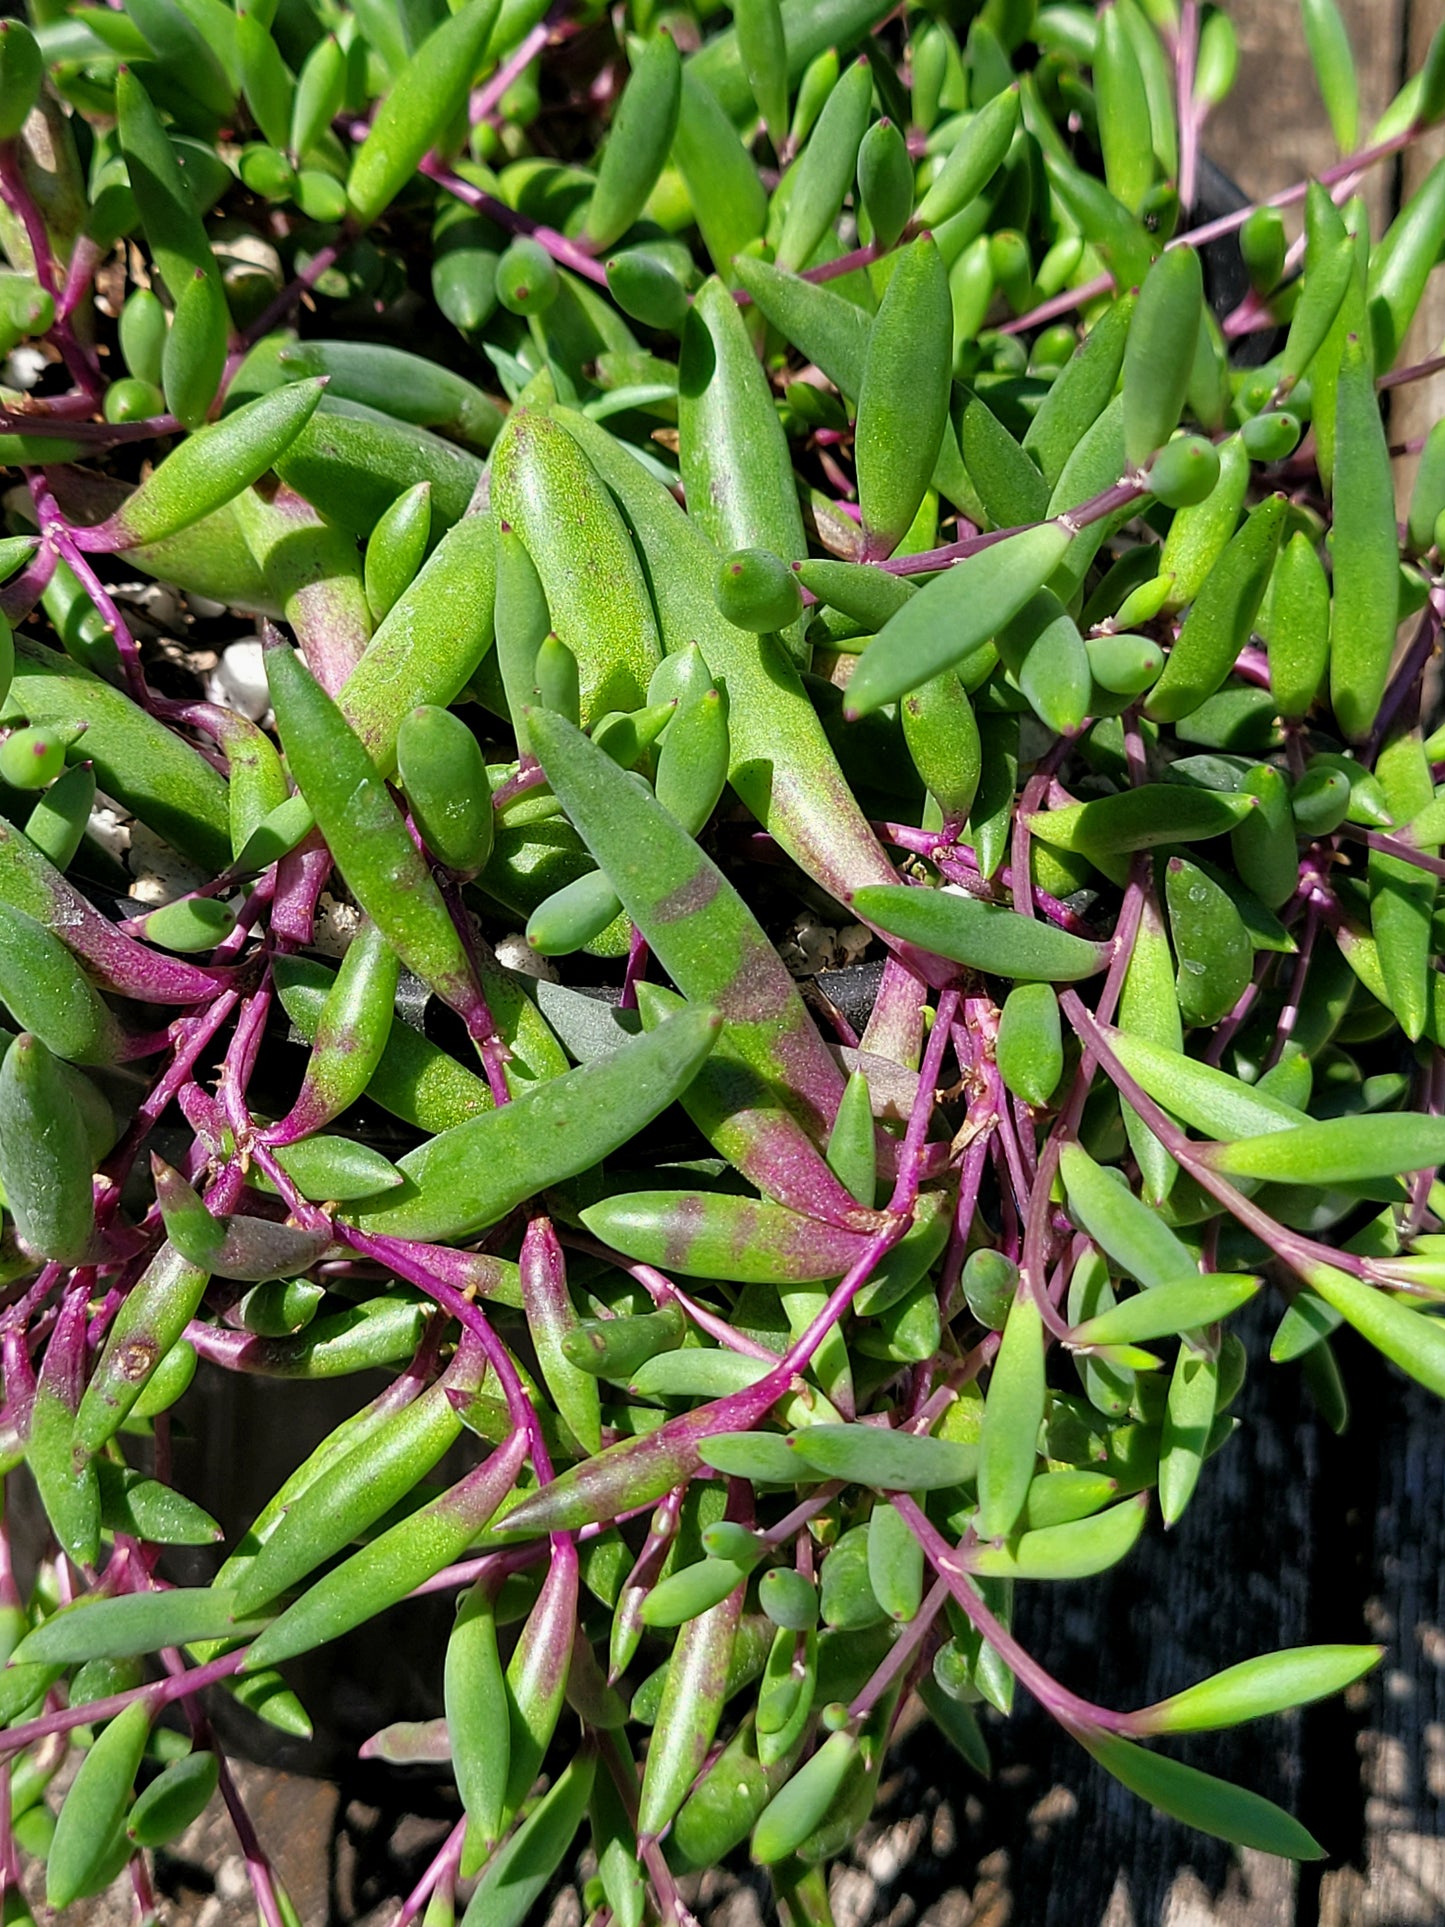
x,y
686,474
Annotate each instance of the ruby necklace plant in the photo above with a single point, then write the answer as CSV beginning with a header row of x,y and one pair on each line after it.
x,y
875,517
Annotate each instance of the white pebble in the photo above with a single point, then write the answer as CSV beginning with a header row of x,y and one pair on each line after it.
x,y
515,953
239,681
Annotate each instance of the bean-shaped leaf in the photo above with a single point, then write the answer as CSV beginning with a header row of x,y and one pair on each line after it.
x,y
1159,355
1211,943
1140,819
1366,551
805,1802
852,1148
356,1491
1200,1800
713,948
328,1167
351,1035
396,548
368,836
551,1316
643,125
140,1622
1189,1413
984,936
782,766
1074,1551
422,101
895,1564
958,1723
1203,1096
1408,1338
693,1695
1218,625
824,172
716,1234
1256,1688
430,640
617,1347
1336,1150
1149,1009
955,615
95,1806
130,1502
1328,41
763,50
1400,267
943,740
903,400
692,764
1082,391
547,492
729,201
763,1457
1295,623
1135,1237
972,161
1402,896
820,323
476,1711
614,1840
66,1479
45,1155
733,453
404,1556
888,1461
48,994
534,1686
174,1798
1329,270
210,468
1012,1414
178,242
1044,653
1167,1309
516,1878
148,1325
474,1173
1059,1498
414,1078
692,1590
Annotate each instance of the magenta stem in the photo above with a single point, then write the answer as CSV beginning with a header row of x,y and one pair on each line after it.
x,y
443,1867
1302,1255
663,1291
828,270
1393,846
1053,1697
78,359
276,311
20,594
486,97
1186,54
59,535
902,1653
66,1718
1417,371
565,252
900,1205
413,1261
637,956
1199,237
